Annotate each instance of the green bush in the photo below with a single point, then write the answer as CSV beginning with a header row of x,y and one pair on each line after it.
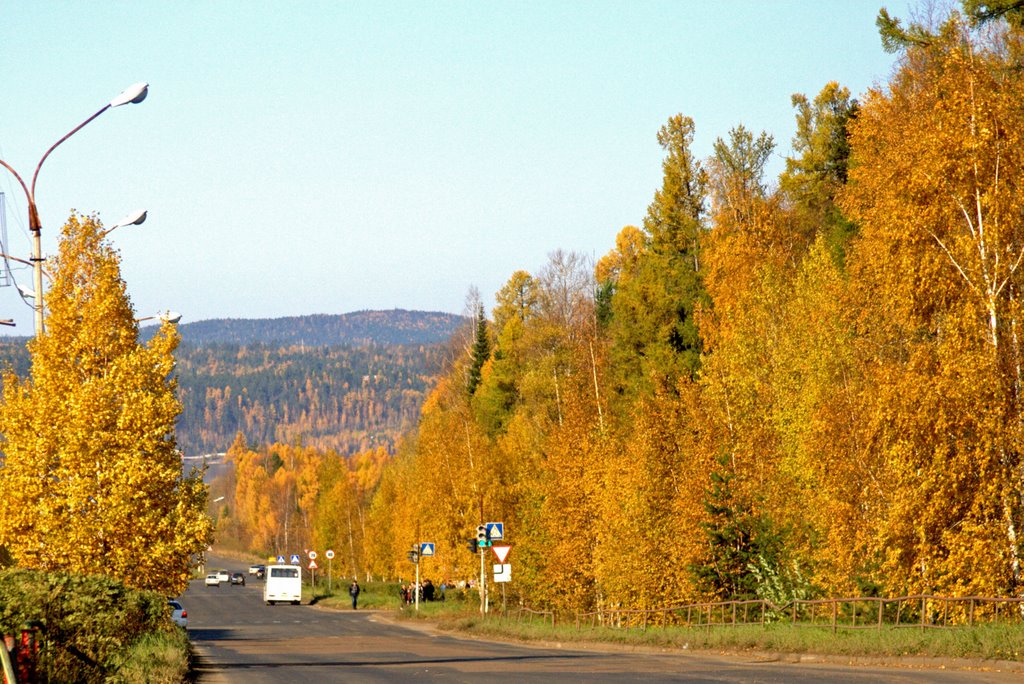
x,y
89,625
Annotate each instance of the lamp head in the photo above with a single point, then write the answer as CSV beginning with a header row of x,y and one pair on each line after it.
x,y
133,219
133,94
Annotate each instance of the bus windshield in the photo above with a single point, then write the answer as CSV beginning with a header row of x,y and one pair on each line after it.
x,y
284,572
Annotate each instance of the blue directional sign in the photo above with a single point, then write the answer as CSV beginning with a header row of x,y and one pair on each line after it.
x,y
280,559
495,530
294,559
426,548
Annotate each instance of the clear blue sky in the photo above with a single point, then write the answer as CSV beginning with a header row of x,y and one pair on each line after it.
x,y
327,157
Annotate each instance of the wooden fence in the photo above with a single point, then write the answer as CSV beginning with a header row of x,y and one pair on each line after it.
x,y
866,612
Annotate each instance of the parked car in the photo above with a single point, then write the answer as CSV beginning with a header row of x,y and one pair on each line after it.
x,y
213,580
238,578
178,614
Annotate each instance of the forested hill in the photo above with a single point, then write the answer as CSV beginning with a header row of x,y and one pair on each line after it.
x,y
396,326
347,383
346,398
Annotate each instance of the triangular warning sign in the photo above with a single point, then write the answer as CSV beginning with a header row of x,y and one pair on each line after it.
x,y
501,552
312,565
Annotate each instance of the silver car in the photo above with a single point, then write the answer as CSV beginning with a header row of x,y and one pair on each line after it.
x,y
178,614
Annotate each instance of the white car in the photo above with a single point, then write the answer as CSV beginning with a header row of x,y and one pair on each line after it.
x,y
213,580
178,614
223,575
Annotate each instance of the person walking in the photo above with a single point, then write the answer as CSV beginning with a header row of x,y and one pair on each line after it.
x,y
353,591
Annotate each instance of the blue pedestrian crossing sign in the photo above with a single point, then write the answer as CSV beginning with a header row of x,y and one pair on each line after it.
x,y
495,530
280,559
294,559
426,548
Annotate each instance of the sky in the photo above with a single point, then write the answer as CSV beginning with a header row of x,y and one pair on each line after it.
x,y
327,157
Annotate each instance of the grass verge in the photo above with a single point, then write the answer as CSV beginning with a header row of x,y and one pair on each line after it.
x,y
985,642
155,658
981,642
459,614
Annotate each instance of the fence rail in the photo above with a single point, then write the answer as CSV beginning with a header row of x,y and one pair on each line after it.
x,y
920,611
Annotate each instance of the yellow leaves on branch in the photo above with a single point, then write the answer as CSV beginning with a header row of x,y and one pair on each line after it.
x,y
92,477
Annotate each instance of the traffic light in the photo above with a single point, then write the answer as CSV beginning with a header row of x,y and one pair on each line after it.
x,y
473,545
481,535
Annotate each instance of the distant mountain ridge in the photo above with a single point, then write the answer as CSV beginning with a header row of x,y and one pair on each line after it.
x,y
347,382
359,328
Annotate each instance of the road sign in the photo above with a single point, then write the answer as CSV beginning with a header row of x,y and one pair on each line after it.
x,y
503,572
312,555
329,554
495,530
501,551
280,559
294,560
426,548
312,565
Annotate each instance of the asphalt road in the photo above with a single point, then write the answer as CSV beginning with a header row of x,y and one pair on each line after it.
x,y
239,639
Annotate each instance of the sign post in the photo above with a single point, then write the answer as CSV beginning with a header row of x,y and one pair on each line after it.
x,y
416,588
312,569
330,570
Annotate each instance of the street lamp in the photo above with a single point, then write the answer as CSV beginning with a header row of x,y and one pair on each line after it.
x,y
171,317
136,218
133,94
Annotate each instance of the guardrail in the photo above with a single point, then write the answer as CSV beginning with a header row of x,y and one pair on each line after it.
x,y
920,611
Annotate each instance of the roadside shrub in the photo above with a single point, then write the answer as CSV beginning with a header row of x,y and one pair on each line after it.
x,y
90,624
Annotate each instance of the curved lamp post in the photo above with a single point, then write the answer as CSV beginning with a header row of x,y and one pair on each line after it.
x,y
133,94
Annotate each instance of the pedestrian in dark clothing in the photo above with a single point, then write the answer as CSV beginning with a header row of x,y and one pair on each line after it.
x,y
353,591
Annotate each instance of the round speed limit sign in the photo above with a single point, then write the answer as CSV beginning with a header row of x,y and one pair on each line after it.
x,y
329,554
312,555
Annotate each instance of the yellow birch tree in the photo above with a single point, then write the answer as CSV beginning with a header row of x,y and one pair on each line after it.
x,y
91,477
936,185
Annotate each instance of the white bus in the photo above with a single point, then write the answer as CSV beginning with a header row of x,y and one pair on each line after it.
x,y
283,583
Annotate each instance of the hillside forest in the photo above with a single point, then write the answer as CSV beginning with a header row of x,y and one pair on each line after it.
x,y
808,385
346,383
339,398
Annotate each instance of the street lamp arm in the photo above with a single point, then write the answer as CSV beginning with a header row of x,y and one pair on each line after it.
x,y
133,94
55,145
24,187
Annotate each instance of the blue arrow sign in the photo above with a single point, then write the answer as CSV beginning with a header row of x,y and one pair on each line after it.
x,y
495,530
294,559
426,548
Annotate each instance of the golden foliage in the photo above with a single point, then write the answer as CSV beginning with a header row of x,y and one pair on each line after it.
x,y
92,478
